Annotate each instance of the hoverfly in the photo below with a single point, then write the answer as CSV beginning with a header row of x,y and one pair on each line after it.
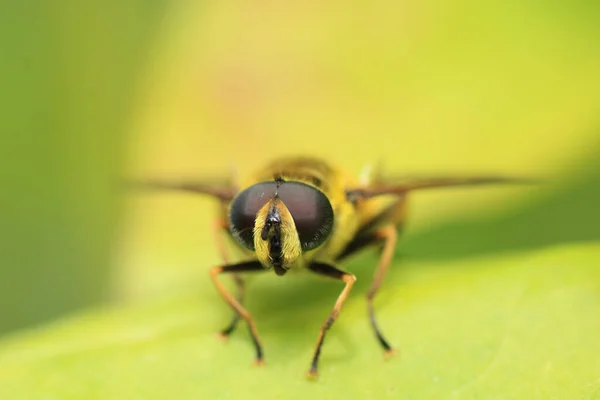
x,y
305,213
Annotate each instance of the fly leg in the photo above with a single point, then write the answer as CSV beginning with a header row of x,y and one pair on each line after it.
x,y
225,332
348,279
389,237
386,236
247,266
219,227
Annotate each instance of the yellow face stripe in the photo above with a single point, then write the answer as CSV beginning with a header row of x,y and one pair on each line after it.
x,y
290,249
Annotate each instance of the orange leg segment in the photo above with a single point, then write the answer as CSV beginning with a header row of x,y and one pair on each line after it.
x,y
247,266
389,237
348,279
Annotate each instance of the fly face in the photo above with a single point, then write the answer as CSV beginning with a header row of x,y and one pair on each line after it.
x,y
280,220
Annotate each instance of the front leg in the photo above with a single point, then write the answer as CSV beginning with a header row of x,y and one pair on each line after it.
x,y
247,266
349,279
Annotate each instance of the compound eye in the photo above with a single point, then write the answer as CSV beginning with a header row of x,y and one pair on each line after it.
x,y
311,210
244,208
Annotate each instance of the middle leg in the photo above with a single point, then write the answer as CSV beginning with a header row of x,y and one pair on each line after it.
x,y
219,228
389,236
247,266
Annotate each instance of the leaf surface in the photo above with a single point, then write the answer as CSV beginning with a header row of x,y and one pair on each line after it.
x,y
522,326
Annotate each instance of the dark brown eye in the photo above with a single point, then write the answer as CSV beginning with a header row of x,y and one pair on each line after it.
x,y
309,207
311,211
244,209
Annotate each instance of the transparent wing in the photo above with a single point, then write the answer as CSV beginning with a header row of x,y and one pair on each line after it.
x,y
403,186
221,189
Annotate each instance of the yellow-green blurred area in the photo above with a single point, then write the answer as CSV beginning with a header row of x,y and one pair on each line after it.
x,y
104,293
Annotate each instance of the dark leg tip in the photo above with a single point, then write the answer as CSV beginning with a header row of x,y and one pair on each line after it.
x,y
386,346
390,353
222,336
259,362
226,332
312,374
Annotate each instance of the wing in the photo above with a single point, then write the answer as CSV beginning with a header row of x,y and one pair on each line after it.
x,y
215,188
403,187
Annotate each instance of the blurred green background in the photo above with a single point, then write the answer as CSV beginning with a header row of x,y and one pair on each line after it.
x,y
69,74
93,92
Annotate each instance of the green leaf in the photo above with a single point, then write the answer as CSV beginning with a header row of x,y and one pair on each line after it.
x,y
520,325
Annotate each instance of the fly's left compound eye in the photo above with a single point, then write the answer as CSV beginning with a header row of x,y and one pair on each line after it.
x,y
311,210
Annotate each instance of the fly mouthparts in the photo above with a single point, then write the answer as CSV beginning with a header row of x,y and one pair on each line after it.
x,y
279,270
